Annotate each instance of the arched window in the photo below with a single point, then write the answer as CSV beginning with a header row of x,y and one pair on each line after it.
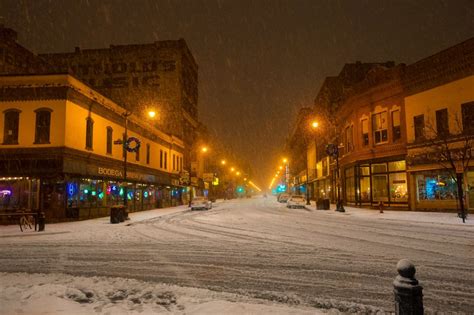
x,y
11,125
43,125
89,133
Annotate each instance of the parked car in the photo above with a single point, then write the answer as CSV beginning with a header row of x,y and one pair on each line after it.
x,y
283,198
296,201
200,202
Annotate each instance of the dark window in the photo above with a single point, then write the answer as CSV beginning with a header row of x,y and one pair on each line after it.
x,y
148,153
174,162
161,158
137,155
396,130
43,126
109,140
365,132
467,111
419,124
165,164
89,132
348,137
12,121
442,128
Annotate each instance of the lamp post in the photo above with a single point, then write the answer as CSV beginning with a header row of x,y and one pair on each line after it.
x,y
314,126
333,150
125,147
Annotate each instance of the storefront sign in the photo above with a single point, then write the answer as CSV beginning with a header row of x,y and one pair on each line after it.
x,y
109,172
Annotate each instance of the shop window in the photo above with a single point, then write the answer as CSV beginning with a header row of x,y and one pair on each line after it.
x,y
349,142
397,166
364,170
398,187
11,124
467,112
379,127
379,168
43,126
148,153
350,184
433,186
396,129
364,192
470,186
442,128
109,140
379,187
161,158
89,133
365,132
419,123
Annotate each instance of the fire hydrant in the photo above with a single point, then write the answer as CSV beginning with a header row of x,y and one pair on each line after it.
x,y
381,206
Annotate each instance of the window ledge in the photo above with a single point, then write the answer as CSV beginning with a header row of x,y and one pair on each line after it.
x,y
42,142
13,143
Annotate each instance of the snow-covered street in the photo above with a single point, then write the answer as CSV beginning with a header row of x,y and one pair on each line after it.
x,y
242,252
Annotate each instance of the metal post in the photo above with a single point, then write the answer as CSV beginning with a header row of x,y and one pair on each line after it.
x,y
408,293
339,204
125,189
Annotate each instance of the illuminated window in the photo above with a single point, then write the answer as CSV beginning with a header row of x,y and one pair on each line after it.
x,y
379,127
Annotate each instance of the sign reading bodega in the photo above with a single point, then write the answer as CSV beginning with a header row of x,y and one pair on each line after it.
x,y
109,172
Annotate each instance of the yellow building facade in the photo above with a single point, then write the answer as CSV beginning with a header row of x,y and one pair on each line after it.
x,y
444,112
59,151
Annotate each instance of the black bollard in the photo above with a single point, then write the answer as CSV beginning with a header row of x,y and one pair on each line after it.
x,y
41,221
408,293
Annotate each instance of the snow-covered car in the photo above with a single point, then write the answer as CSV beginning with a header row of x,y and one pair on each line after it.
x,y
296,202
283,198
201,203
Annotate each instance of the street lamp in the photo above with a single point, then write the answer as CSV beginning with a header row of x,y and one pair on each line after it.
x,y
314,126
333,150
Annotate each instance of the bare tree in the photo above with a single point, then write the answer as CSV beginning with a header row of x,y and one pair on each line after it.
x,y
450,149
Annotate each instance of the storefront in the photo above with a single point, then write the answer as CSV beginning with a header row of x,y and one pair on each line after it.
x,y
82,188
368,184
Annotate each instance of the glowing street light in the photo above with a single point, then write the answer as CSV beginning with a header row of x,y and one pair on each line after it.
x,y
204,149
232,169
151,114
314,124
223,162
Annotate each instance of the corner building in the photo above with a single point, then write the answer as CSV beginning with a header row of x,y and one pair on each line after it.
x,y
57,151
162,76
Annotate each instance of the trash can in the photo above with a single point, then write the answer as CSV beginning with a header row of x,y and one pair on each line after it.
x,y
116,214
322,204
41,221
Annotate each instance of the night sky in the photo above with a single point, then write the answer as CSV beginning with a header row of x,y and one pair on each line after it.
x,y
259,61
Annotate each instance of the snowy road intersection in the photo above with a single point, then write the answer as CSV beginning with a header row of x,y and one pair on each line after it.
x,y
244,251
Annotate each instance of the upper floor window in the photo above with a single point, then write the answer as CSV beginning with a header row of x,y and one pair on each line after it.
x,y
43,125
365,132
419,124
467,112
109,139
379,127
165,161
161,158
137,155
349,139
174,162
11,124
89,133
396,130
442,127
147,153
